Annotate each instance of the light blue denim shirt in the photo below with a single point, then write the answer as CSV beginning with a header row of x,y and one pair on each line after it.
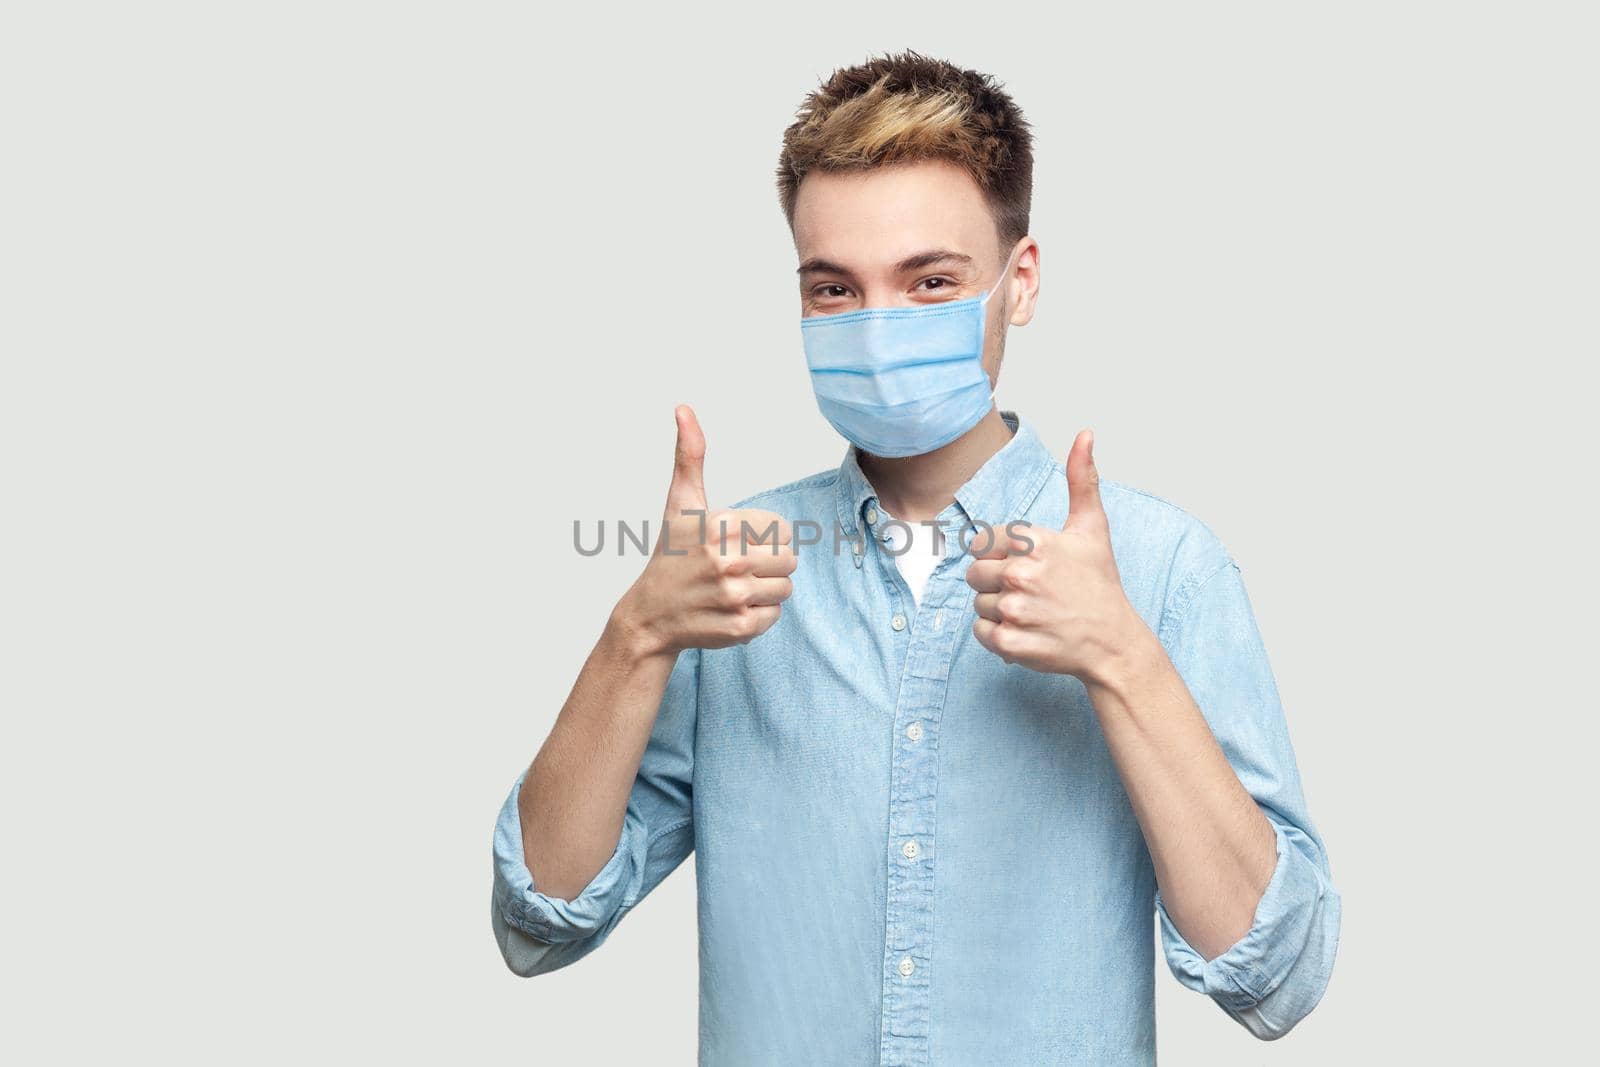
x,y
908,851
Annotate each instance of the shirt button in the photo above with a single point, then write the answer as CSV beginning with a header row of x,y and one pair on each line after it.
x,y
872,516
898,622
914,731
906,966
911,849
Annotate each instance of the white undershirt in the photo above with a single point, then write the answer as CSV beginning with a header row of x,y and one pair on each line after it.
x,y
917,562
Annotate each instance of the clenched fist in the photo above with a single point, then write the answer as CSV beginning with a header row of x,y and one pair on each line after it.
x,y
1058,606
715,578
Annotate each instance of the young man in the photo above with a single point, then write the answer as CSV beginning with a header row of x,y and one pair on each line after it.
x,y
935,800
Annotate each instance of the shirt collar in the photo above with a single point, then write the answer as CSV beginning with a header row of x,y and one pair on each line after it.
x,y
1000,491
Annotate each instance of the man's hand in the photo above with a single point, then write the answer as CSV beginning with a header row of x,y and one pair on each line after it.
x,y
1059,607
716,578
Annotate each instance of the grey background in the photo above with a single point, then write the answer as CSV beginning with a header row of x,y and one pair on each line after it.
x,y
322,322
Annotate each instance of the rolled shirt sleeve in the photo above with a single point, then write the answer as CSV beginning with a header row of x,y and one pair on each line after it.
x,y
1276,973
537,932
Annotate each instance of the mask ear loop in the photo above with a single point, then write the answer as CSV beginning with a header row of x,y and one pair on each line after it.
x,y
1010,261
984,303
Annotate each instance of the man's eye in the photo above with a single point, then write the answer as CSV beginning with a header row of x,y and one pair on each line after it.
x,y
832,292
934,285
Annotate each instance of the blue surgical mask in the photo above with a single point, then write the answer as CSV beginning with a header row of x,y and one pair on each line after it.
x,y
902,381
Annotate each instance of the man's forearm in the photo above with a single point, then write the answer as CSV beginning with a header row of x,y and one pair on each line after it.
x,y
575,794
1212,848
698,591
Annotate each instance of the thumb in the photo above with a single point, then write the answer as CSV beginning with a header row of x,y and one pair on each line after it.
x,y
688,489
1083,482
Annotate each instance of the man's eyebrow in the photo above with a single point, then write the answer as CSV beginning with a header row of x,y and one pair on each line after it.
x,y
919,261
817,265
932,257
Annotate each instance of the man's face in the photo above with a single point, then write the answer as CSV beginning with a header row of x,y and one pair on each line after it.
x,y
904,236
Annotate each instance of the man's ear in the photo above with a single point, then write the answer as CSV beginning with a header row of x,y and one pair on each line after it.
x,y
1024,284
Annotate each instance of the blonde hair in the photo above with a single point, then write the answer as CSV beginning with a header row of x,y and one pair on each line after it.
x,y
906,108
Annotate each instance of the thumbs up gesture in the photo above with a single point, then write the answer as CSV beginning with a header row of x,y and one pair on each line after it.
x,y
1057,606
716,577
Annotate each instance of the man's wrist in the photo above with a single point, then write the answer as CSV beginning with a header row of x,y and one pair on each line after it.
x,y
1133,656
630,636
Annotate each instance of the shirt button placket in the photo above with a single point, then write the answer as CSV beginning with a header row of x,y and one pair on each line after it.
x,y
908,928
